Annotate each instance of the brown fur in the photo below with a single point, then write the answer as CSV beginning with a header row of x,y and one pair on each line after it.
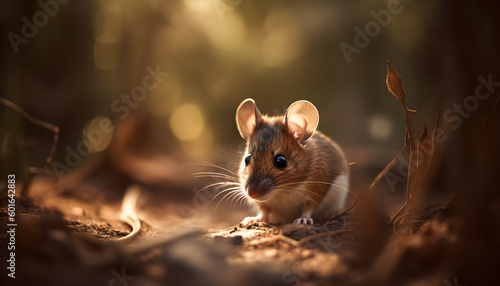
x,y
282,191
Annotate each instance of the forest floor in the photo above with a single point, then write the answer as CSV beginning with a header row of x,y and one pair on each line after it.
x,y
69,234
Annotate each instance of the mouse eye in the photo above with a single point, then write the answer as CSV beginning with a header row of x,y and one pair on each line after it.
x,y
247,159
280,161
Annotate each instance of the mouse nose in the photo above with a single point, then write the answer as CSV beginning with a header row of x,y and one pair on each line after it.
x,y
253,193
259,189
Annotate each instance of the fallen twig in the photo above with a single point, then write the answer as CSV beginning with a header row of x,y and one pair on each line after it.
x,y
38,122
129,213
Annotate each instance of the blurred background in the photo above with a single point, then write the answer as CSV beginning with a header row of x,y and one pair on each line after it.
x,y
140,92
167,77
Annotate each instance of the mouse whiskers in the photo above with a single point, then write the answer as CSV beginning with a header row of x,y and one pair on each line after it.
x,y
318,182
208,164
284,196
218,185
232,192
214,175
224,178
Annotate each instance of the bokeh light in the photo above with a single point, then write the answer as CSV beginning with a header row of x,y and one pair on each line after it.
x,y
228,90
107,30
380,127
187,122
164,98
283,42
227,34
98,132
400,33
199,146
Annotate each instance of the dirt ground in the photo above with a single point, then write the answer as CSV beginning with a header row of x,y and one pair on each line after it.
x,y
68,234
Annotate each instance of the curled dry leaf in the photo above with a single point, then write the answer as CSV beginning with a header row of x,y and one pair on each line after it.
x,y
395,86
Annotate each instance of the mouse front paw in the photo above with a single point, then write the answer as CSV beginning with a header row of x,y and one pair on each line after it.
x,y
304,220
251,219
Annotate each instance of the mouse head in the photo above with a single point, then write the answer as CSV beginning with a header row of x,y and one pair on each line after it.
x,y
276,155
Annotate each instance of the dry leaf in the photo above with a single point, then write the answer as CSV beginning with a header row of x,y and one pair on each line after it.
x,y
395,85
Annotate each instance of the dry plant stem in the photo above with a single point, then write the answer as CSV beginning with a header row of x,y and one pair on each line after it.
x,y
288,240
38,122
387,168
396,223
345,211
409,181
425,152
301,242
395,86
416,182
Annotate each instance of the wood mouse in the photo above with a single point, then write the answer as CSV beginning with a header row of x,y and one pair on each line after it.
x,y
290,171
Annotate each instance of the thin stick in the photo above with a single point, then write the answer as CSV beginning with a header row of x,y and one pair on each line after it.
x,y
38,122
288,240
281,237
345,211
386,168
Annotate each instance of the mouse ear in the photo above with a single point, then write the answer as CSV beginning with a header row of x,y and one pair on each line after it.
x,y
302,118
247,117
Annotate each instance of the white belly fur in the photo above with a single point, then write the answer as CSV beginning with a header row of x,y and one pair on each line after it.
x,y
335,198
